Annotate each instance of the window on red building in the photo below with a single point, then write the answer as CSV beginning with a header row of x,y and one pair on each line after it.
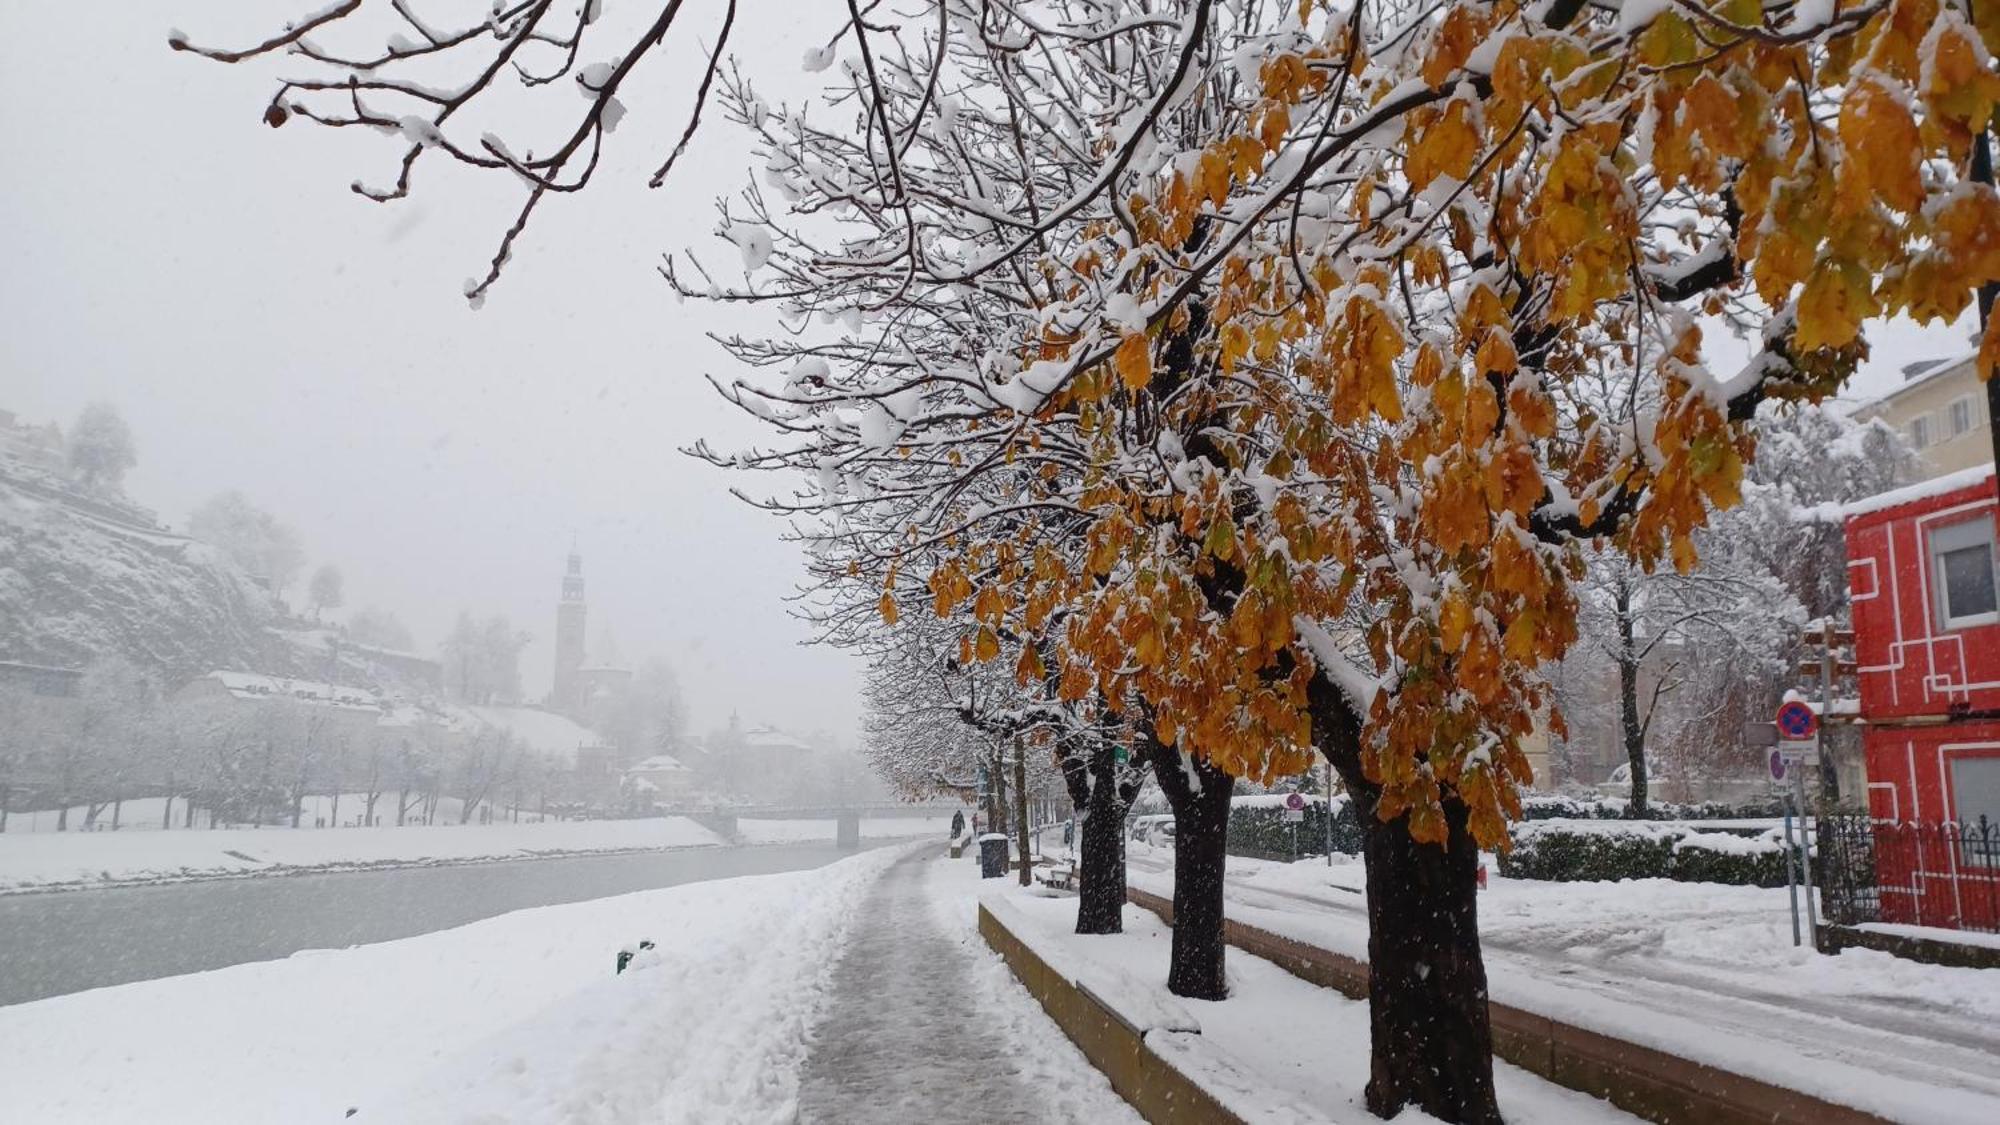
x,y
1968,590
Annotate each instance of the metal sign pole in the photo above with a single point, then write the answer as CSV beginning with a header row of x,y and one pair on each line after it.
x,y
1328,818
1805,857
1791,871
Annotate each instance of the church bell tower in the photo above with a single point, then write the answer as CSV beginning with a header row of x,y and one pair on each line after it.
x,y
567,696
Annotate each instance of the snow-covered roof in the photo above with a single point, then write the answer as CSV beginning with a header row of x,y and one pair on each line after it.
x,y
542,731
771,738
1922,490
1917,374
658,763
256,685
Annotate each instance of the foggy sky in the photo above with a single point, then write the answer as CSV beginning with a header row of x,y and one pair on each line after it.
x,y
263,328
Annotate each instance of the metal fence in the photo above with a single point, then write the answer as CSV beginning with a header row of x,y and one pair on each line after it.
x,y
1937,874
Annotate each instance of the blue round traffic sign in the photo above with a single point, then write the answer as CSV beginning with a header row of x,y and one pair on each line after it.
x,y
1797,721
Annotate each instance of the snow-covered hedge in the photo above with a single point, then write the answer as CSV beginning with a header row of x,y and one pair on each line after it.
x,y
1556,806
1569,853
1257,827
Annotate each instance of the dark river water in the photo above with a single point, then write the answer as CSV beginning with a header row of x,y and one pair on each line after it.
x,y
68,941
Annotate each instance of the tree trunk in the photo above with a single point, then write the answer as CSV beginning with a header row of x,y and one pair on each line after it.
x,y
6,795
1100,903
117,810
997,818
1199,795
298,805
1431,1042
402,807
1628,702
62,816
1021,809
333,818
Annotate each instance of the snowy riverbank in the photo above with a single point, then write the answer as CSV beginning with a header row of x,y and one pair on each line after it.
x,y
756,985
48,861
519,1016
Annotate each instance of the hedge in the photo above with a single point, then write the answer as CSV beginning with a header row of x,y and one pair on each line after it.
x,y
1555,806
1643,851
1258,829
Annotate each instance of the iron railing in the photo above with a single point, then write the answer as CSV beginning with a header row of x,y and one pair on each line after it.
x,y
1936,874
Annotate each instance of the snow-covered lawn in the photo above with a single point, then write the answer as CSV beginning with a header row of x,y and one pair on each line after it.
x,y
1704,970
1277,1042
50,860
44,860
517,1018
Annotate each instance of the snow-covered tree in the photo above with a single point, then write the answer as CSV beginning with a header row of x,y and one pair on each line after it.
x,y
1307,311
264,546
482,659
100,447
326,591
381,628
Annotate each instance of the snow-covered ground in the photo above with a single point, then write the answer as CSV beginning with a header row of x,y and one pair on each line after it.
x,y
144,814
1706,971
47,860
52,861
755,985
517,1018
1277,1042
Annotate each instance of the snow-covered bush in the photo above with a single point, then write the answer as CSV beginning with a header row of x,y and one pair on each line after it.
x,y
1258,828
1557,806
1641,850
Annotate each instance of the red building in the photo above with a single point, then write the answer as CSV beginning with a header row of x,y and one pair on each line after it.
x,y
1924,580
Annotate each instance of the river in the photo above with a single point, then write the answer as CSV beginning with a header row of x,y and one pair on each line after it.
x,y
62,942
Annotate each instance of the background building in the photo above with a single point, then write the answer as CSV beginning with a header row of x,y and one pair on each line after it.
x,y
567,695
1941,410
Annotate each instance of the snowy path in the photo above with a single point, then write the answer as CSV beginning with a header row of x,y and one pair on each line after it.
x,y
926,1025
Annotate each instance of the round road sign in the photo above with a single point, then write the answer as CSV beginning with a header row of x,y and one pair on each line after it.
x,y
1797,721
1295,802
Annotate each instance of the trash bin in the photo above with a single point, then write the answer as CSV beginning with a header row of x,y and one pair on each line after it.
x,y
993,856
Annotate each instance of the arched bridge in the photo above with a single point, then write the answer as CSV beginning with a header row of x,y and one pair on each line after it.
x,y
723,819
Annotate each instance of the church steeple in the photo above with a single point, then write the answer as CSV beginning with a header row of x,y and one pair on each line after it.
x,y
567,697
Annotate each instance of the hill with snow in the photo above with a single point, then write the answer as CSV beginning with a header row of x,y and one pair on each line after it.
x,y
83,576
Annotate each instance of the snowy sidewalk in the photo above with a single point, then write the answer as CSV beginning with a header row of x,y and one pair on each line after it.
x,y
924,1026
1704,971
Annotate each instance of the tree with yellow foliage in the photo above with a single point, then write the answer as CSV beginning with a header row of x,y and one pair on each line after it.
x,y
1257,349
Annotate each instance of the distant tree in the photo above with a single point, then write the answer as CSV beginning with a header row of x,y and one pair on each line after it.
x,y
100,447
482,659
325,590
373,625
26,721
254,539
99,739
646,715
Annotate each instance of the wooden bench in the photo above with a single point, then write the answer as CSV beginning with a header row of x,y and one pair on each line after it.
x,y
1059,876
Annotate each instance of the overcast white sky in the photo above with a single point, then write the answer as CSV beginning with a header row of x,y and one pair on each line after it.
x,y
263,328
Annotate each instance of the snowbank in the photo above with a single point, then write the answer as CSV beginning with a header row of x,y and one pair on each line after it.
x,y
48,861
514,1019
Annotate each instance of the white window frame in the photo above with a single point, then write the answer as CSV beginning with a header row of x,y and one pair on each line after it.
x,y
1952,414
1920,432
1956,537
